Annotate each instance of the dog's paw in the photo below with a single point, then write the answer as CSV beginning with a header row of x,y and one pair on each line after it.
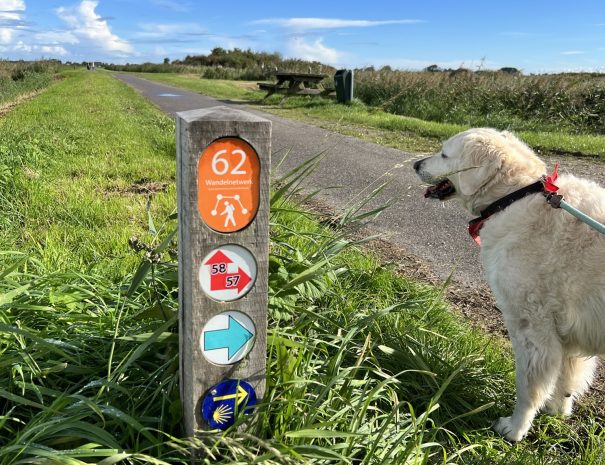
x,y
504,427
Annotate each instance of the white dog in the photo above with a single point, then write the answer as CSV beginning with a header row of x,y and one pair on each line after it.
x,y
545,267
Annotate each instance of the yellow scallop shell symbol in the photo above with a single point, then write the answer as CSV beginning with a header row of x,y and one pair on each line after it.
x,y
222,414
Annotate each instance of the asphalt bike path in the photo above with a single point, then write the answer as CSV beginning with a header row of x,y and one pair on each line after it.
x,y
350,170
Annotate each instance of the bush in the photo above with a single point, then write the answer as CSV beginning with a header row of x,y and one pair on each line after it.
x,y
235,64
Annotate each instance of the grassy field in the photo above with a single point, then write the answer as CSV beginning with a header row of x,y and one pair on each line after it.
x,y
364,366
371,121
78,186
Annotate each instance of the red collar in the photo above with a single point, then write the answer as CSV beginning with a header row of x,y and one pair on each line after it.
x,y
545,185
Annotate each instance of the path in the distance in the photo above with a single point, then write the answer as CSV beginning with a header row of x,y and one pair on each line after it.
x,y
425,228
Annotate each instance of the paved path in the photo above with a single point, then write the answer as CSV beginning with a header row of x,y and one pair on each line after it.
x,y
428,229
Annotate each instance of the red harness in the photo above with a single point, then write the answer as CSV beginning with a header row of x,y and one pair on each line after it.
x,y
546,186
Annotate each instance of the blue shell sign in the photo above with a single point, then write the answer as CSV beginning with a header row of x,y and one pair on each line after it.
x,y
225,401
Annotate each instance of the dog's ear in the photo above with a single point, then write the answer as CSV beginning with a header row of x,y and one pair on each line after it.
x,y
481,161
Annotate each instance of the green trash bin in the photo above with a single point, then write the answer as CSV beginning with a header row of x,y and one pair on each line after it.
x,y
343,82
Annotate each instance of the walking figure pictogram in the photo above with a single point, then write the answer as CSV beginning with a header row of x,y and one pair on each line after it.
x,y
229,209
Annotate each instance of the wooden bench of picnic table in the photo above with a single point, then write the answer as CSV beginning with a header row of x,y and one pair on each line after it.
x,y
295,84
266,86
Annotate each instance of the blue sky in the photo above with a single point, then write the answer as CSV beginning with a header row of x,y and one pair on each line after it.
x,y
536,36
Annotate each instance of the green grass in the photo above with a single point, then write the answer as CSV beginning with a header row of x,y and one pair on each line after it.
x,y
364,366
219,88
372,123
74,167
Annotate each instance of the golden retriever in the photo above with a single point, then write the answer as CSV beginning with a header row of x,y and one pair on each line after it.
x,y
545,267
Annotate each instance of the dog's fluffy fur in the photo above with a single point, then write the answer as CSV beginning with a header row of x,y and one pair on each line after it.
x,y
545,267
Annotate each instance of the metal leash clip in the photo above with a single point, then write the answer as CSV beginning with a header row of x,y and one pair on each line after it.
x,y
554,200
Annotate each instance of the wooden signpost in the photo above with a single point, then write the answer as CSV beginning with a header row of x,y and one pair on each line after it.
x,y
223,161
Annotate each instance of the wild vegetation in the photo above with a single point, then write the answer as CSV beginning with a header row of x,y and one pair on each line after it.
x,y
22,77
571,103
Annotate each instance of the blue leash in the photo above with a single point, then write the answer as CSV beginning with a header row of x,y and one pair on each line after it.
x,y
557,202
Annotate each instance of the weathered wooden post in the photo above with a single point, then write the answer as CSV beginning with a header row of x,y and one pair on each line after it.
x,y
223,161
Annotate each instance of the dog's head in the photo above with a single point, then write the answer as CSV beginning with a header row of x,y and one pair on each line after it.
x,y
479,166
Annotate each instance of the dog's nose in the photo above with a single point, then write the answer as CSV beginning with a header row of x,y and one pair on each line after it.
x,y
418,164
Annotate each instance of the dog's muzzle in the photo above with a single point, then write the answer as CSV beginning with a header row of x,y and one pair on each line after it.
x,y
441,189
418,164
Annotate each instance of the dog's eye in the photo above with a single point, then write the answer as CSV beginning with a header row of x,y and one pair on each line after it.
x,y
443,155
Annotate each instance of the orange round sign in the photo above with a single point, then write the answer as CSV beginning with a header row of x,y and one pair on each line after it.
x,y
228,176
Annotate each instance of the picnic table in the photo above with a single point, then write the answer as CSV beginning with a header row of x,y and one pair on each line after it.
x,y
295,84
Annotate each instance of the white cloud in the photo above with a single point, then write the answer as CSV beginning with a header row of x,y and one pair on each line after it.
x,y
56,37
6,35
304,41
88,25
39,49
13,39
315,51
52,49
11,9
573,52
12,13
11,16
23,47
327,23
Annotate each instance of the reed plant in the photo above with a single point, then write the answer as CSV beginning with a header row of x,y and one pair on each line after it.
x,y
573,103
